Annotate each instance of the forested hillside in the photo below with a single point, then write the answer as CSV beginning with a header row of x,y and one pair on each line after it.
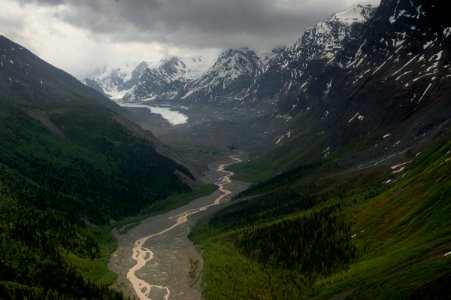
x,y
70,164
365,234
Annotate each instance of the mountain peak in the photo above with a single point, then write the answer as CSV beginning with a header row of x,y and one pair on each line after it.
x,y
139,69
233,62
171,61
357,14
236,51
173,68
326,37
229,78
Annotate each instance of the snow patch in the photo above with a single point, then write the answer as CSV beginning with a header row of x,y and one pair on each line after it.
x,y
358,116
326,152
398,170
117,94
424,93
279,140
447,32
413,58
433,66
428,44
375,71
400,166
437,56
424,75
287,135
354,15
304,84
405,73
389,181
328,86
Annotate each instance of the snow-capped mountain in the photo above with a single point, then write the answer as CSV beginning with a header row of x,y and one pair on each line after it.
x,y
242,75
403,47
326,38
398,51
116,82
145,81
238,74
229,78
168,80
266,57
287,70
163,81
392,73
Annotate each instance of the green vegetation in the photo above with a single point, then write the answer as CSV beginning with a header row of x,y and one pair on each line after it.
x,y
59,191
313,233
106,172
297,153
45,252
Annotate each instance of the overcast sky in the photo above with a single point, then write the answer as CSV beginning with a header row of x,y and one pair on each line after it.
x,y
82,36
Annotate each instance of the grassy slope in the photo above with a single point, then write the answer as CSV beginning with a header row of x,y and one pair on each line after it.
x,y
401,233
300,151
405,232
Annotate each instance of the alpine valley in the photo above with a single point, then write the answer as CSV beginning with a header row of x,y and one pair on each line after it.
x,y
332,158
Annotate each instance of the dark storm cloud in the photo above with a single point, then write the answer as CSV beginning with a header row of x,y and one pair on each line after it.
x,y
198,23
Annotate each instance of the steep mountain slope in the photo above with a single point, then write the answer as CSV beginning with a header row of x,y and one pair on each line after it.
x,y
385,52
388,87
162,82
117,82
229,79
69,160
360,207
285,72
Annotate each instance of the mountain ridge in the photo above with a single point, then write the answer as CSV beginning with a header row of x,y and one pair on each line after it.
x,y
248,66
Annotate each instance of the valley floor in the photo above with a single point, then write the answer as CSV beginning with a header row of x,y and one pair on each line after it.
x,y
176,263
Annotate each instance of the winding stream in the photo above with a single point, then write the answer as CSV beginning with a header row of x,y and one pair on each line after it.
x,y
142,255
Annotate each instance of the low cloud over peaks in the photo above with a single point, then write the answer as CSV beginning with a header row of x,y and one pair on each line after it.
x,y
198,23
95,32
